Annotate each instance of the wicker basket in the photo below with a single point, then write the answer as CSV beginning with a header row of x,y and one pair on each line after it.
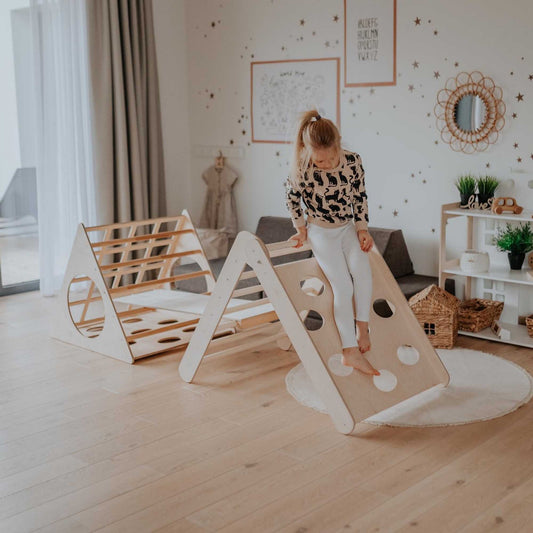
x,y
477,314
529,325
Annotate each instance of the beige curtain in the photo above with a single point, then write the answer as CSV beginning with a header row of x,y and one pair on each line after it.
x,y
126,118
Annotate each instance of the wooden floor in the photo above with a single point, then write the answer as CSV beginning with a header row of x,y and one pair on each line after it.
x,y
89,443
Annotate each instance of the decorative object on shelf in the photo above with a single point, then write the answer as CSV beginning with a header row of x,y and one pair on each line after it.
x,y
476,204
466,185
529,325
502,333
517,241
486,185
477,314
436,311
470,112
506,203
530,260
473,261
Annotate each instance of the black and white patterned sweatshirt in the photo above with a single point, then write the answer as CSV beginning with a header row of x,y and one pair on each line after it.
x,y
331,197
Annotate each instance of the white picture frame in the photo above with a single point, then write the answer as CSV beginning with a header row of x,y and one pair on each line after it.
x,y
280,90
369,43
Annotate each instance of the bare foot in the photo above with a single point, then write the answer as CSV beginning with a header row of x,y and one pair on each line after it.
x,y
354,358
363,337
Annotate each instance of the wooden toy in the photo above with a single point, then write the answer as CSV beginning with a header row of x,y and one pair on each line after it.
x,y
112,268
400,349
506,203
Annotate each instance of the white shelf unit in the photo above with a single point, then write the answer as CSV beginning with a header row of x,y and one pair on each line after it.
x,y
502,283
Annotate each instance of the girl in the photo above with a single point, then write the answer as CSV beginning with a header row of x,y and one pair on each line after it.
x,y
330,182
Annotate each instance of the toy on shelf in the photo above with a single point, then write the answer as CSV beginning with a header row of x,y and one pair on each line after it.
x,y
506,203
400,350
502,333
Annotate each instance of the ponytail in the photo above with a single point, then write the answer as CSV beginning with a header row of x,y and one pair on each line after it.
x,y
314,132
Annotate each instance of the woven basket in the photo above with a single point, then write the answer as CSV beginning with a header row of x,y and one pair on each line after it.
x,y
529,325
477,314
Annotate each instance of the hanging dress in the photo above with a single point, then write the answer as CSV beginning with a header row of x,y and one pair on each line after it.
x,y
219,210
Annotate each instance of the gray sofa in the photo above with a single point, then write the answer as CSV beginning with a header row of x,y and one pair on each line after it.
x,y
390,243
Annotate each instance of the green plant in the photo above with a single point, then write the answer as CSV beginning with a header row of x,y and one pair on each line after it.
x,y
486,185
515,239
466,184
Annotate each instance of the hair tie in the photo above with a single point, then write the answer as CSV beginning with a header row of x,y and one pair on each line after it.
x,y
317,117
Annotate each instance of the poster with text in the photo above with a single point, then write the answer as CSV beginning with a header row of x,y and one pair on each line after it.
x,y
369,43
281,90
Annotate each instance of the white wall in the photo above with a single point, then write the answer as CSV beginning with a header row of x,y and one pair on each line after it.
x,y
393,129
170,35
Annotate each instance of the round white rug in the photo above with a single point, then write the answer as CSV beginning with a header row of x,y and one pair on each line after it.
x,y
482,386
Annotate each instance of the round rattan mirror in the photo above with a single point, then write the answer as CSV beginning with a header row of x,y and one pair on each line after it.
x,y
470,112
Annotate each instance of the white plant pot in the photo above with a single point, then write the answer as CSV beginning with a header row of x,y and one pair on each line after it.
x,y
473,261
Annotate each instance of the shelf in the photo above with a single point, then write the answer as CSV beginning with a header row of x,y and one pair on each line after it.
x,y
519,335
520,277
525,215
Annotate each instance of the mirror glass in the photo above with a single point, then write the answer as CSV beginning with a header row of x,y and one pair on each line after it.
x,y
470,113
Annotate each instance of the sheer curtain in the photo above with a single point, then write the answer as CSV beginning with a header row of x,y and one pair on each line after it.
x,y
65,178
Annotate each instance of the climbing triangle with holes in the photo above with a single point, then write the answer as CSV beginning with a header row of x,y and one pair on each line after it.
x,y
400,350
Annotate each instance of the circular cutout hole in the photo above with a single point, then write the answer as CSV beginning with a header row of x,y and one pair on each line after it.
x,y
336,366
383,308
168,321
85,306
169,339
131,320
312,286
140,331
386,381
312,319
408,355
189,328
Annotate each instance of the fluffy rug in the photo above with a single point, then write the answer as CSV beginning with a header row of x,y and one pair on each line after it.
x,y
482,386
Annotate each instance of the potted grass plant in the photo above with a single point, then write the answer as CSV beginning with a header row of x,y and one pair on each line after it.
x,y
466,185
517,241
486,185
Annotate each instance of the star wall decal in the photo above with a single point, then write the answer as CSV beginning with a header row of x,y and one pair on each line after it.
x,y
436,74
336,18
531,156
326,44
515,145
456,64
487,165
372,90
417,21
411,88
519,97
435,32
395,213
415,64
302,22
530,77
514,115
519,159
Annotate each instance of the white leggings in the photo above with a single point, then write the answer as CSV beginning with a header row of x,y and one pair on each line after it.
x,y
347,268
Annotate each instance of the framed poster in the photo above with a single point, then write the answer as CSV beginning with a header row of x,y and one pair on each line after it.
x,y
369,43
280,90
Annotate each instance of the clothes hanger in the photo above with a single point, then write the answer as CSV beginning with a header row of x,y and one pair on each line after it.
x,y
219,161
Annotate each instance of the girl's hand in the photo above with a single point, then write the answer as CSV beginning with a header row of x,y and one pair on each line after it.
x,y
300,237
365,240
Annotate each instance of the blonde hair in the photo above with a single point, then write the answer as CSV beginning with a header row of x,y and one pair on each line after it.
x,y
314,132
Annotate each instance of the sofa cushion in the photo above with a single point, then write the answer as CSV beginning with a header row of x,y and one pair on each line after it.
x,y
392,247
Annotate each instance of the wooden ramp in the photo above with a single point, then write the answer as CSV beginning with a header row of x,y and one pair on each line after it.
x,y
400,349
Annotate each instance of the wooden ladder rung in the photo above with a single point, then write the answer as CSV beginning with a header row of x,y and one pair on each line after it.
x,y
144,260
237,293
278,249
146,237
122,314
136,223
139,287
